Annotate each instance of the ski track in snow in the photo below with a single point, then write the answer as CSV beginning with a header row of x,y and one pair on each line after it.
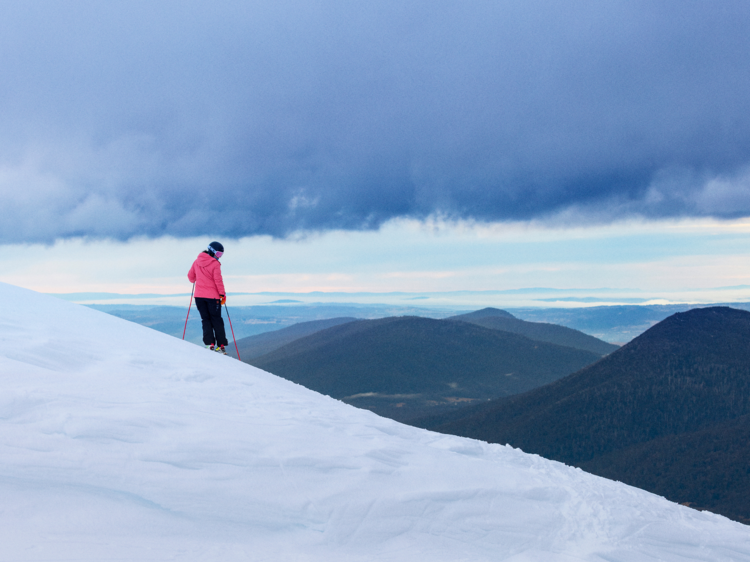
x,y
119,443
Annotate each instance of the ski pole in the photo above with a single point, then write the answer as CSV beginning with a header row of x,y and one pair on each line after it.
x,y
188,314
230,327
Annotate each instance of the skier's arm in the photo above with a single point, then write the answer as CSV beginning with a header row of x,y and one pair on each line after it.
x,y
218,279
191,273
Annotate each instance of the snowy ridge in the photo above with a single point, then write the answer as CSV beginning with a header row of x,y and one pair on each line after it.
x,y
121,443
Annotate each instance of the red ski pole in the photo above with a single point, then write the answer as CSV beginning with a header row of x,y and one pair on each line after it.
x,y
230,327
188,314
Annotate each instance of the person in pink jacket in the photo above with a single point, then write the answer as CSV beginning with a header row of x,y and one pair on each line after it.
x,y
210,295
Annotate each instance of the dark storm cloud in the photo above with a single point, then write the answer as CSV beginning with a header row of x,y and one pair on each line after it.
x,y
122,119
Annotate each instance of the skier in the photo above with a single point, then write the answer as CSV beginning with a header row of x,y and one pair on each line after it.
x,y
210,295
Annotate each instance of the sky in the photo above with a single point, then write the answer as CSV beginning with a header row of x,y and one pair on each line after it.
x,y
384,146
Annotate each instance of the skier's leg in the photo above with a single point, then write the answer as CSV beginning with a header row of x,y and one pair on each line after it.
x,y
218,322
204,307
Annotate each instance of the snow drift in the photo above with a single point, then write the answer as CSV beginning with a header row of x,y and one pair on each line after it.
x,y
119,442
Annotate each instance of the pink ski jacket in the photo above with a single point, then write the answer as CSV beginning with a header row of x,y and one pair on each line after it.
x,y
206,274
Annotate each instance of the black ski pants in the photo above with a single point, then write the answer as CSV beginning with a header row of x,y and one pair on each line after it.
x,y
213,324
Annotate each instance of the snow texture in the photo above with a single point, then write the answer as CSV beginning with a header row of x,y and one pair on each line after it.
x,y
121,443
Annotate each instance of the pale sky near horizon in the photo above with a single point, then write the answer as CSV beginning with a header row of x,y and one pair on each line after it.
x,y
385,146
669,261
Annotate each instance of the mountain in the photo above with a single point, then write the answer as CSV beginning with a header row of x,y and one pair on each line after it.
x,y
667,411
403,367
255,346
612,323
488,312
118,442
540,331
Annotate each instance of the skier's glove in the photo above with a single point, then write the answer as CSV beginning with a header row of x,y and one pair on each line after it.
x,y
223,299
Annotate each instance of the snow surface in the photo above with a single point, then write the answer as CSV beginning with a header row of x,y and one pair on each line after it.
x,y
121,443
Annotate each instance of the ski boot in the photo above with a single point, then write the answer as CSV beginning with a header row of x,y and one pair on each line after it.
x,y
220,349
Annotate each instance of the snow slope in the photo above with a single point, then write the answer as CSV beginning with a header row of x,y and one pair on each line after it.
x,y
121,443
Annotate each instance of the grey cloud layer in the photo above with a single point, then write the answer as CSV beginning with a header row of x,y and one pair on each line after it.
x,y
235,118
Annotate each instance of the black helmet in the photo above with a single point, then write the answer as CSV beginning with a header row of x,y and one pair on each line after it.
x,y
214,247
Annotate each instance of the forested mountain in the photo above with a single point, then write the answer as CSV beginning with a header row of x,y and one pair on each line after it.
x,y
407,366
667,412
541,331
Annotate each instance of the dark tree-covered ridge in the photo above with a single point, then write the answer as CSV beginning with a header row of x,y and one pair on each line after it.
x,y
402,367
687,376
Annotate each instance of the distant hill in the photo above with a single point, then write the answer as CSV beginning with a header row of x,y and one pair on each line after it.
x,y
408,366
668,412
496,319
488,312
255,346
612,323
